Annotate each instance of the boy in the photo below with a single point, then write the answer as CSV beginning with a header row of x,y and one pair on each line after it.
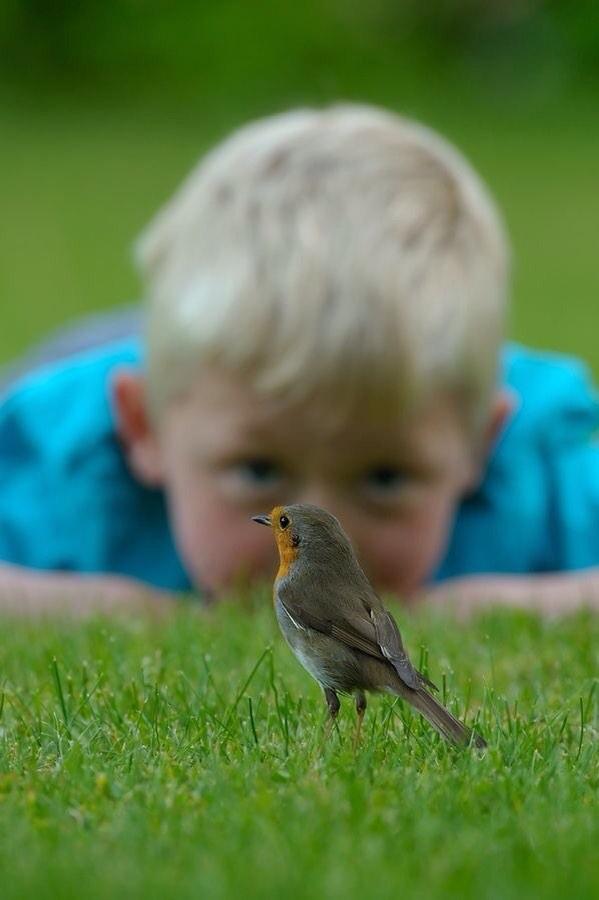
x,y
326,298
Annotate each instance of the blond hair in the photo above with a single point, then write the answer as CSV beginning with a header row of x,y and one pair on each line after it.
x,y
345,253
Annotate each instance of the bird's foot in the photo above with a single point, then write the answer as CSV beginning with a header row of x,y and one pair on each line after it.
x,y
360,710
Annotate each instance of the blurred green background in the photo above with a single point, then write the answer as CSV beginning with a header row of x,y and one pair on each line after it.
x,y
105,105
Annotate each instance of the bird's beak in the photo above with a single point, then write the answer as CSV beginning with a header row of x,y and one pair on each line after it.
x,y
262,520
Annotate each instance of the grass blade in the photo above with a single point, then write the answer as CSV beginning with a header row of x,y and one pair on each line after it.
x,y
60,694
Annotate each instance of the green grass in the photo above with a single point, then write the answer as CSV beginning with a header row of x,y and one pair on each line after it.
x,y
188,760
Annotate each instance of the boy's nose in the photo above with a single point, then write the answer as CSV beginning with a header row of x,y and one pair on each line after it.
x,y
319,495
315,495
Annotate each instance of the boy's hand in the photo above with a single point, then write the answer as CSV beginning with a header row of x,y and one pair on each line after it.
x,y
26,592
552,594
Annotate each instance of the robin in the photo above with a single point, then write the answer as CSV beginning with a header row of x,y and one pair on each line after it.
x,y
337,625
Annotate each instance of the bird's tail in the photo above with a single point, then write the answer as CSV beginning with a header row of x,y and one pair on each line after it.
x,y
442,720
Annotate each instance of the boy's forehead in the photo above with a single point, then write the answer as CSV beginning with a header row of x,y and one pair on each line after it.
x,y
224,407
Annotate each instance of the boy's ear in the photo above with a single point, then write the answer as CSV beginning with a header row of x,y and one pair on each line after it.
x,y
134,427
502,407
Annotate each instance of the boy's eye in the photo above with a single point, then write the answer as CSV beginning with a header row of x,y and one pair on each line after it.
x,y
384,478
260,471
255,479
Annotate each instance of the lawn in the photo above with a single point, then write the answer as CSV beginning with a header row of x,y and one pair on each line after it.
x,y
189,758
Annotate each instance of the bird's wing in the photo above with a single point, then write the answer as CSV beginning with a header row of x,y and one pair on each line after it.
x,y
389,640
371,630
340,630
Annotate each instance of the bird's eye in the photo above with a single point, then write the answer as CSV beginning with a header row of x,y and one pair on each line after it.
x,y
283,521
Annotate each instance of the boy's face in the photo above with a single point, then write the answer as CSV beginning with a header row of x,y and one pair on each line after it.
x,y
223,454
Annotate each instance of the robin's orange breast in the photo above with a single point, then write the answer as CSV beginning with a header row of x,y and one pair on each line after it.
x,y
287,555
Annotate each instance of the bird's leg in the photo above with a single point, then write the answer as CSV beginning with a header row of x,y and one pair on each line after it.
x,y
360,709
333,704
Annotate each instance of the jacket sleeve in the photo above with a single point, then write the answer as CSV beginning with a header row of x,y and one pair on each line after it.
x,y
570,447
32,497
574,474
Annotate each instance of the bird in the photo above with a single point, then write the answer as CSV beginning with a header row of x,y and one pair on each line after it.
x,y
337,625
